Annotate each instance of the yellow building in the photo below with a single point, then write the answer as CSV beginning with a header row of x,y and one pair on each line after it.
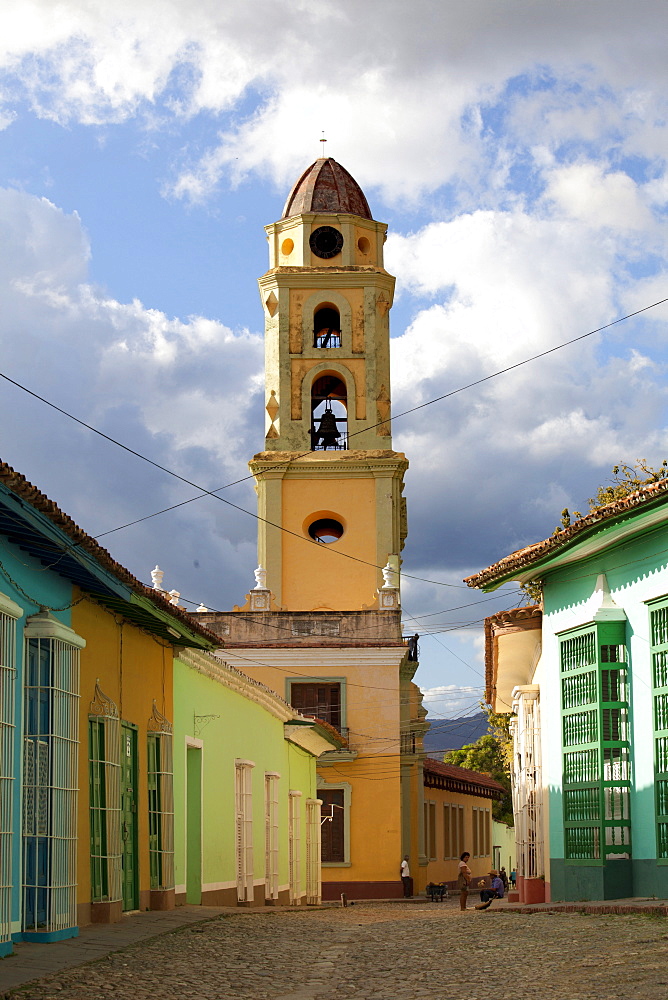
x,y
322,626
457,818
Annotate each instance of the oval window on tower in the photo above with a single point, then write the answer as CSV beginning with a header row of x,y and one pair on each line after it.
x,y
326,530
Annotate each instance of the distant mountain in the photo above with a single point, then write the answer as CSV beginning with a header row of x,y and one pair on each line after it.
x,y
451,734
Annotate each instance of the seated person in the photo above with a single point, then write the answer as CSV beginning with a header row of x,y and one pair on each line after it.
x,y
495,891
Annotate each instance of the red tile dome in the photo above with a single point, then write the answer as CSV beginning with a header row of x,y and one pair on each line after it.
x,y
327,187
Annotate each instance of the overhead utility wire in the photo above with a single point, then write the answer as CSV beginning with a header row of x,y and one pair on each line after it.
x,y
390,419
413,409
211,493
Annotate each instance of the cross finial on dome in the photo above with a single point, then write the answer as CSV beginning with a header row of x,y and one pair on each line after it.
x,y
323,146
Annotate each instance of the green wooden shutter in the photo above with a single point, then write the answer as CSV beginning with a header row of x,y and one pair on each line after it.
x,y
98,803
659,654
595,739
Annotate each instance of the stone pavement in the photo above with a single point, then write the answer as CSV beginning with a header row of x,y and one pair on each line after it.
x,y
374,951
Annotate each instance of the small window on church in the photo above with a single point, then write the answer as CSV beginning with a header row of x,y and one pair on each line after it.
x,y
327,327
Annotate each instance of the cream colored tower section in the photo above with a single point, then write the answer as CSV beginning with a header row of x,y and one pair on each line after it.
x,y
359,488
296,286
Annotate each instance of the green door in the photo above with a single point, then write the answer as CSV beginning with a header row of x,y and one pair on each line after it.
x,y
129,817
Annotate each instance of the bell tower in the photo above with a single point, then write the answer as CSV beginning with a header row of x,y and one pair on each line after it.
x,y
328,477
322,626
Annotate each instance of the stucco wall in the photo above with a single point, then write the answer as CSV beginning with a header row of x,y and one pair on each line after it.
x,y
227,726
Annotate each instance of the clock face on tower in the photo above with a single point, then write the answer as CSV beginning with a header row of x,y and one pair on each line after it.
x,y
325,242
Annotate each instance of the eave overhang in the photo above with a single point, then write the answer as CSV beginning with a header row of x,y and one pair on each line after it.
x,y
69,552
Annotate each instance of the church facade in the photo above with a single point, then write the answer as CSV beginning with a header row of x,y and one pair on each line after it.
x,y
322,626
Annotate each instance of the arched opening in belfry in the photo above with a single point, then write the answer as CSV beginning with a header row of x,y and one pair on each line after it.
x,y
327,326
329,413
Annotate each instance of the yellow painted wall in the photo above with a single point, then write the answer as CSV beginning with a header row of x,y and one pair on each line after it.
x,y
375,828
133,668
316,579
372,716
442,869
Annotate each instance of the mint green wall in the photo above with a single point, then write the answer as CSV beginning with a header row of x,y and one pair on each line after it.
x,y
244,730
637,572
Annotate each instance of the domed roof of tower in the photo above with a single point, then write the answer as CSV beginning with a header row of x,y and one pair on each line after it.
x,y
327,187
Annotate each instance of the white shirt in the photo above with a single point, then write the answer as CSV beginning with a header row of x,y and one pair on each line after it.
x,y
405,871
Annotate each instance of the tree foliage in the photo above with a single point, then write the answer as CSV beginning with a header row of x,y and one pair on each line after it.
x,y
491,754
625,479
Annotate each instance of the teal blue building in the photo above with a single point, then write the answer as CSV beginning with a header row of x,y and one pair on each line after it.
x,y
586,676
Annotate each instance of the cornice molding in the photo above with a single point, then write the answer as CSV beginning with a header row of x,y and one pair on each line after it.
x,y
231,677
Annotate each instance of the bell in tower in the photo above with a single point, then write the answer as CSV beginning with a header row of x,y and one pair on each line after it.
x,y
327,433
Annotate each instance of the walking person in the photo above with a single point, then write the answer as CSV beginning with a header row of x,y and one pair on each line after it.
x,y
406,879
504,878
513,878
464,879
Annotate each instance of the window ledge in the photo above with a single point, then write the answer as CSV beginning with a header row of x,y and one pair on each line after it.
x,y
336,864
335,757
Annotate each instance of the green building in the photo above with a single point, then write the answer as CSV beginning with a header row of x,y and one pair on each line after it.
x,y
586,676
247,828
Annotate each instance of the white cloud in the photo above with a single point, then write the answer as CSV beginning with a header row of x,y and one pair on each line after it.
x,y
404,92
584,191
178,391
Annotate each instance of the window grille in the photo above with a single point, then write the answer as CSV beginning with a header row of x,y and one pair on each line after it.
x,y
578,651
160,774
527,782
658,617
271,835
7,756
596,757
313,827
104,768
51,695
244,829
294,835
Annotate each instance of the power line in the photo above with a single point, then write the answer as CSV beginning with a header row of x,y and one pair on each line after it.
x,y
213,493
437,399
364,430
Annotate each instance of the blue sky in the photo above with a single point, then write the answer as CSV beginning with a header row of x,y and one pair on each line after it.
x,y
518,153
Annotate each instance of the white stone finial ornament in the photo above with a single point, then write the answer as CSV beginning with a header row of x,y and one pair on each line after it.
x,y
202,607
174,597
391,574
260,578
156,576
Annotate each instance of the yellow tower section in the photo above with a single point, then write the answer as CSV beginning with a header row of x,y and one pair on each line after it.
x,y
329,484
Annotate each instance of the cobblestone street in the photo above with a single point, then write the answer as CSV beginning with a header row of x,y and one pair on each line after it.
x,y
376,951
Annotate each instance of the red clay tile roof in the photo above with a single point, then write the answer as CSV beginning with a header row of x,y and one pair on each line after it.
x,y
19,485
523,558
324,187
460,779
